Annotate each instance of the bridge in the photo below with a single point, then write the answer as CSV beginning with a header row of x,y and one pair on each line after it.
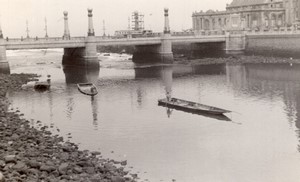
x,y
86,47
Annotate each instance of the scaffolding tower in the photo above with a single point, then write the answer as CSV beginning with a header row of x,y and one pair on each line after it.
x,y
137,21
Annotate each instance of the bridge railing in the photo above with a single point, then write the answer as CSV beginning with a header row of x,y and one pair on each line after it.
x,y
43,39
210,32
273,31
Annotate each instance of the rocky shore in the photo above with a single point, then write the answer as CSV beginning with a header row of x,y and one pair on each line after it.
x,y
36,155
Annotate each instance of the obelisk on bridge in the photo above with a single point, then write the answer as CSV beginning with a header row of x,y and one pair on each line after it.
x,y
167,24
66,23
166,53
91,26
90,44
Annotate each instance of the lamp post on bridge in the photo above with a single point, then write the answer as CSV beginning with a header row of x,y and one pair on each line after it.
x,y
66,31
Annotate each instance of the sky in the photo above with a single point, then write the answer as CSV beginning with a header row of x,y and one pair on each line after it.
x,y
115,13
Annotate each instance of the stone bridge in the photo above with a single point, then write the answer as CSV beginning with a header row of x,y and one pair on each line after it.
x,y
86,47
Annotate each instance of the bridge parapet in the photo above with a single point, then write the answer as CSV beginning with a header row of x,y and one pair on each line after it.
x,y
274,32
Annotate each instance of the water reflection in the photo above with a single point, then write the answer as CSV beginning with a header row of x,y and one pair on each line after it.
x,y
167,79
94,104
81,74
4,68
77,74
271,81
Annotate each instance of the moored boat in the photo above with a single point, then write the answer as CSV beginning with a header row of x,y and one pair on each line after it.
x,y
191,106
87,88
42,86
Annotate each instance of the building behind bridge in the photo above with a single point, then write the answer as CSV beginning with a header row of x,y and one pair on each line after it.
x,y
249,15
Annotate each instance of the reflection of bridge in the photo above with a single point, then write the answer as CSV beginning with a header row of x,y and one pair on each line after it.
x,y
86,47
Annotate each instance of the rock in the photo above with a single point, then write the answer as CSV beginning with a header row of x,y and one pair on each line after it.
x,y
96,153
2,179
20,166
77,169
62,169
109,167
33,164
47,168
90,170
35,172
10,158
117,179
124,163
64,156
2,163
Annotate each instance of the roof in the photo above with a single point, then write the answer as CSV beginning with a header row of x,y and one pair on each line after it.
x,y
246,2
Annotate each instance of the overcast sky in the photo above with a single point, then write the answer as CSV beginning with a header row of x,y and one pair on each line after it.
x,y
14,13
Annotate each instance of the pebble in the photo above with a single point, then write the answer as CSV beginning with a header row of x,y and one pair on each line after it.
x,y
2,179
10,158
63,168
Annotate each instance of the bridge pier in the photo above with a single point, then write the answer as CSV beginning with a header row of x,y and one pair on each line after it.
x,y
235,42
84,56
157,53
4,66
166,53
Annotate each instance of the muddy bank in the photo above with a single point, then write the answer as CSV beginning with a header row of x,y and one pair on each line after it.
x,y
34,155
238,59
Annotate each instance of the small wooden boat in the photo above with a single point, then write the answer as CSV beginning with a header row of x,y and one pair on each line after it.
x,y
87,88
41,86
191,106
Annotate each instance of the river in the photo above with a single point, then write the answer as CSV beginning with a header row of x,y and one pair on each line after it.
x,y
258,141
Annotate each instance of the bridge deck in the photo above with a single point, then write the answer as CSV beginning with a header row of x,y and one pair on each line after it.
x,y
76,42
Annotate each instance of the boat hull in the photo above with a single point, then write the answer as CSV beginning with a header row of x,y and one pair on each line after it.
x,y
191,106
87,89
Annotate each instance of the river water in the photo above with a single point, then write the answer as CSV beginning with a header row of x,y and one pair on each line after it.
x,y
258,141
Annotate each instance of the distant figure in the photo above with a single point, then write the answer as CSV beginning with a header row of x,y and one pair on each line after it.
x,y
48,79
7,39
22,38
168,96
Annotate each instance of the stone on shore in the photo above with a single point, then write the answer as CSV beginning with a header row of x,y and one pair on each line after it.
x,y
2,179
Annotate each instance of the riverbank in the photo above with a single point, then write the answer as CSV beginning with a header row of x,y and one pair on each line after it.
x,y
238,59
29,154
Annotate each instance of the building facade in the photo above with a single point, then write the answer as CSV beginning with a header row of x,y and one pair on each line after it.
x,y
257,15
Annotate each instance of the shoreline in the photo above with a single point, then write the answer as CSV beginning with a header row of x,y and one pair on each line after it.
x,y
238,59
30,154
